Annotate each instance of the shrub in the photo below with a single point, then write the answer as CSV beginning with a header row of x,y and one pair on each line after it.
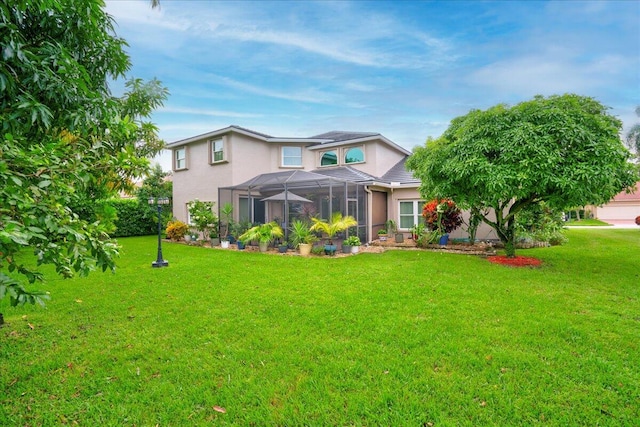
x,y
133,218
540,223
176,230
442,215
203,218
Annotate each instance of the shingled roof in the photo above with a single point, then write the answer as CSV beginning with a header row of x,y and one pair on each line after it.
x,y
338,136
399,173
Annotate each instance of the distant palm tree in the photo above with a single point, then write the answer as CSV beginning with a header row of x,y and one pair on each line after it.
x,y
633,136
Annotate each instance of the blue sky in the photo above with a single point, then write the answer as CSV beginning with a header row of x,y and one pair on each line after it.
x,y
400,68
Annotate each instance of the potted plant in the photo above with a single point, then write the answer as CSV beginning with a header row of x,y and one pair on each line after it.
x,y
263,233
226,214
301,236
392,230
240,228
354,243
336,224
382,235
417,231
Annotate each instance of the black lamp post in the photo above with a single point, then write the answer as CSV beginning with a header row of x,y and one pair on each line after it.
x,y
159,201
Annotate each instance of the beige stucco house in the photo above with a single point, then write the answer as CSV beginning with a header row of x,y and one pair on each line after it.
x,y
280,178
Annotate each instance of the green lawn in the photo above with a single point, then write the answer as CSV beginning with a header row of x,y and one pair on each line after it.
x,y
401,338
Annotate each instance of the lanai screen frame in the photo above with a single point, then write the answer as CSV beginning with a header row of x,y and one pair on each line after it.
x,y
306,184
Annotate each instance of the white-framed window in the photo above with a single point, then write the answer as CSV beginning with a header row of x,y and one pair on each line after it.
x,y
180,158
329,158
354,155
410,213
217,150
291,156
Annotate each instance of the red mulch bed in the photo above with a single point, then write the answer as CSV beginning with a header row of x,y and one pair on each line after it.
x,y
518,261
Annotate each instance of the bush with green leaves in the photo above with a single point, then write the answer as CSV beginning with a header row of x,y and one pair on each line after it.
x,y
203,218
65,137
540,223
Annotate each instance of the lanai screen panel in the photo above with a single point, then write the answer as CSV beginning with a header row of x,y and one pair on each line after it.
x,y
326,195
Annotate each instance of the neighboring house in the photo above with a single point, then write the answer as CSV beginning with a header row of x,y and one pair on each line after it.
x,y
273,178
622,209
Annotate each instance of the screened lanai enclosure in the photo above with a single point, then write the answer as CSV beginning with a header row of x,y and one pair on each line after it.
x,y
286,196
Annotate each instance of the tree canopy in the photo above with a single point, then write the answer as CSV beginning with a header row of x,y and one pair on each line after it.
x,y
563,149
64,136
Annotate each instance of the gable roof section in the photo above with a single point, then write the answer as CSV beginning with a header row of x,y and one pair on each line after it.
x,y
244,131
338,136
328,139
399,173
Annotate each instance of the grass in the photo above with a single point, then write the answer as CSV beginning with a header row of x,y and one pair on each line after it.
x,y
401,338
591,222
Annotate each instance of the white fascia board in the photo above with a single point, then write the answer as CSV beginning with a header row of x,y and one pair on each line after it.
x,y
361,140
297,140
214,134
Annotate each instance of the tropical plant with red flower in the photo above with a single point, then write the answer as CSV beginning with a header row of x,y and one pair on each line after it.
x,y
442,215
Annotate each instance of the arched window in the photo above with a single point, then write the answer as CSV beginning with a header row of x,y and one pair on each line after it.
x,y
329,158
354,155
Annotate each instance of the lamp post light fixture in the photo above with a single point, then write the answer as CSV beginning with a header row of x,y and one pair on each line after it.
x,y
159,201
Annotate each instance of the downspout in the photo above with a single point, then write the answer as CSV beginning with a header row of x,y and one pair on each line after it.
x,y
369,212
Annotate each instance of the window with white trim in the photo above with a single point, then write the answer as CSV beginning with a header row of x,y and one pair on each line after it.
x,y
180,158
217,150
354,155
410,213
329,158
292,156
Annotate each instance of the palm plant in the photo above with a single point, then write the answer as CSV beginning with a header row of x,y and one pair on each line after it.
x,y
337,224
263,233
301,233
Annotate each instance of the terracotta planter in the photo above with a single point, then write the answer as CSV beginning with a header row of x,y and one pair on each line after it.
x,y
304,248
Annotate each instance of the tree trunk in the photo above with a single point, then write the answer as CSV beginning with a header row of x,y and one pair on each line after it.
x,y
510,248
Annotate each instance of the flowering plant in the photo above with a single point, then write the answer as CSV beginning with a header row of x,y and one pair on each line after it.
x,y
442,215
203,218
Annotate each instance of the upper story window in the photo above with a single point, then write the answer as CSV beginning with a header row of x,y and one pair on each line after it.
x,y
329,158
217,150
180,158
354,155
292,156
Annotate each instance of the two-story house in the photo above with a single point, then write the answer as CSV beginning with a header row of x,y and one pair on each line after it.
x,y
270,178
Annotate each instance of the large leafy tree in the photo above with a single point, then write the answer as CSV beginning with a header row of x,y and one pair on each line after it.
x,y
564,150
64,137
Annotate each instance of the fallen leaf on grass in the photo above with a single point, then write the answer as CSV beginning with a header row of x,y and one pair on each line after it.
x,y
78,301
31,326
220,409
